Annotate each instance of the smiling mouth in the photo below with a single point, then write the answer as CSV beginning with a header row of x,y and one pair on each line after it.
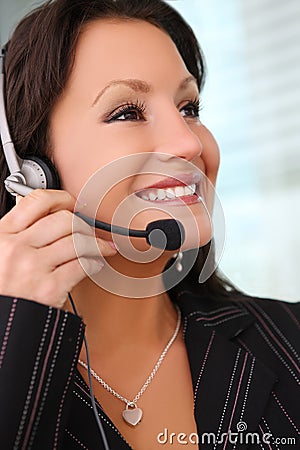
x,y
170,193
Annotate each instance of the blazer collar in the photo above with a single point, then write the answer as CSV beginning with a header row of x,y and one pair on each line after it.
x,y
231,317
230,384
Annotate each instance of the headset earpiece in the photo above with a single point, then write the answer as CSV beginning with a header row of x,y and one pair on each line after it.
x,y
40,173
37,172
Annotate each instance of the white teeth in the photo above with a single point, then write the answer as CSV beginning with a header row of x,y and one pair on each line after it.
x,y
152,196
169,193
179,191
161,195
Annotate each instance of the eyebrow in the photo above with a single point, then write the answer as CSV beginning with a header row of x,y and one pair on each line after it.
x,y
140,86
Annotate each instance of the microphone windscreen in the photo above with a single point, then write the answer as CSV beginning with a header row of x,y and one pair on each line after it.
x,y
168,234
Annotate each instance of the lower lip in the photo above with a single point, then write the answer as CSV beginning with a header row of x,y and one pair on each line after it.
x,y
187,200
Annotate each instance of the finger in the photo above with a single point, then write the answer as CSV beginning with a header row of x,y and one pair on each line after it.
x,y
53,227
34,206
70,274
54,289
73,247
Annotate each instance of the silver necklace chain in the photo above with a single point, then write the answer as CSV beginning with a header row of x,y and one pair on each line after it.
x,y
151,376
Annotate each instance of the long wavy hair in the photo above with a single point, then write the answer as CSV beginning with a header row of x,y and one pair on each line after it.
x,y
39,60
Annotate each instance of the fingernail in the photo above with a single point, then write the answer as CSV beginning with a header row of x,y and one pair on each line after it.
x,y
113,245
100,263
94,265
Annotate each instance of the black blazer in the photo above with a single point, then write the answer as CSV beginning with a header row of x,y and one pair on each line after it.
x,y
244,359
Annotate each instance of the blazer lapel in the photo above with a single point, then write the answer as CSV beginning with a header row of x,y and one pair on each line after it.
x,y
231,386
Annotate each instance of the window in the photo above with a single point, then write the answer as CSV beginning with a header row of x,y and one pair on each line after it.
x,y
251,104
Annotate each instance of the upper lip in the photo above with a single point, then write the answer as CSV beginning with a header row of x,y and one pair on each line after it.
x,y
184,179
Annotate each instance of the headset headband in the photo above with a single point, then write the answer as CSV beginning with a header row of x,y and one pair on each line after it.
x,y
12,159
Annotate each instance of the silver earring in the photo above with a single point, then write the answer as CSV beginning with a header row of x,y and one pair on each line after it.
x,y
178,262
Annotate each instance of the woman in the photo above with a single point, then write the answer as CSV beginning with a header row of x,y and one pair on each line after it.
x,y
89,83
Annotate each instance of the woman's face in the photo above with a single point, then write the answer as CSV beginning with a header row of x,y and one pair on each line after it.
x,y
130,93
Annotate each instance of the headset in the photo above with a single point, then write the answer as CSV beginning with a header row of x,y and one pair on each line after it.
x,y
37,172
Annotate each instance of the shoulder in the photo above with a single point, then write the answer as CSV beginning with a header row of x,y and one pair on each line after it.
x,y
273,316
246,349
234,315
281,308
267,329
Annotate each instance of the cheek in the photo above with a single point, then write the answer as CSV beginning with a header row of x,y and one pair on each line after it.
x,y
71,149
209,164
210,154
81,148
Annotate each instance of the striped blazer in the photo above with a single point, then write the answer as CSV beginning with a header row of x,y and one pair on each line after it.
x,y
244,360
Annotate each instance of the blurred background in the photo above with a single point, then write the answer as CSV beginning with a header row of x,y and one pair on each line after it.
x,y
251,104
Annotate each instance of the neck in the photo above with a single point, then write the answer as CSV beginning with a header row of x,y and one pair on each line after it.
x,y
117,325
114,322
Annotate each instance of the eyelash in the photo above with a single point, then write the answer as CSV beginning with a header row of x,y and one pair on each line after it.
x,y
140,108
196,107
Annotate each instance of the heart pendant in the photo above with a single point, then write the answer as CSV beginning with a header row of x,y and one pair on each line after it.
x,y
132,416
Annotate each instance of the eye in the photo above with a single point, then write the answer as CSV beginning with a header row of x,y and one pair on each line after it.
x,y
191,109
131,112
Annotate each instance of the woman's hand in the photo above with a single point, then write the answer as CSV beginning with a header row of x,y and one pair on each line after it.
x,y
38,260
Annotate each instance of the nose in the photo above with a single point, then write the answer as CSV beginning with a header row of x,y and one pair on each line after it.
x,y
177,136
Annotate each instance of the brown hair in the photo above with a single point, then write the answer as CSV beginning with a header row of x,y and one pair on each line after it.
x,y
38,63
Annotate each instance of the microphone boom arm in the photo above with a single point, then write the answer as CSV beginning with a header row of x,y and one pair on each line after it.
x,y
112,228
